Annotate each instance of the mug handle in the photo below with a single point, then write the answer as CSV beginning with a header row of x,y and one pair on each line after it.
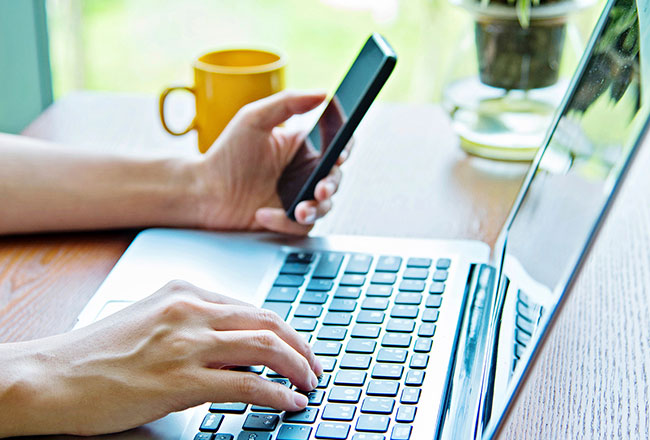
x,y
161,109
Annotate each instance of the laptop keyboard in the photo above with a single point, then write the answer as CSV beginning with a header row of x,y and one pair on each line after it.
x,y
371,321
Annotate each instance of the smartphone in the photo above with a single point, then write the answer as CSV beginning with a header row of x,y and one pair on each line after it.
x,y
333,130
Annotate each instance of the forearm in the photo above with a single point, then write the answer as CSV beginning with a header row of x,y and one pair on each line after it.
x,y
44,188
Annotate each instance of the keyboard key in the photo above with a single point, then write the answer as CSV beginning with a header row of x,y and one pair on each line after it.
x,y
383,278
293,432
324,379
308,310
412,286
443,263
355,361
333,333
419,262
359,264
437,288
401,432
409,298
430,315
315,397
234,407
370,317
328,265
261,422
378,405
304,324
347,292
522,337
350,377
382,388
352,280
427,330
396,340
372,423
365,331
339,411
211,422
365,436
344,394
361,346
314,297
414,378
405,414
223,437
433,301
300,257
374,304
326,348
388,264
282,381
413,273
400,325
257,435
289,281
258,408
281,308
257,369
320,284
393,355
272,373
422,345
410,395
288,294
337,318
203,436
387,371
402,311
327,363
333,431
294,269
307,415
419,360
379,290
305,336
440,275
342,305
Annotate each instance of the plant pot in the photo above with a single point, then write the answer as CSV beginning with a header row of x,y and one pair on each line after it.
x,y
511,57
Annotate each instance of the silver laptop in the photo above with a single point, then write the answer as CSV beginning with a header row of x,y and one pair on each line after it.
x,y
420,339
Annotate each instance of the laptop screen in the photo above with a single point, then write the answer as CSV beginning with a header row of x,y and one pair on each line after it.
x,y
594,136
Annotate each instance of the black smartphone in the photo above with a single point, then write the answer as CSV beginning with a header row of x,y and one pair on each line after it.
x,y
343,113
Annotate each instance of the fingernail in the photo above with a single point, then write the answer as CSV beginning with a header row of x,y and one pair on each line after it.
x,y
314,381
318,367
300,400
330,188
311,215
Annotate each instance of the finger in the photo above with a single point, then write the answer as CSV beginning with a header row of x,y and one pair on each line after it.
x,y
327,187
180,286
345,154
275,109
275,219
245,318
305,210
235,386
260,347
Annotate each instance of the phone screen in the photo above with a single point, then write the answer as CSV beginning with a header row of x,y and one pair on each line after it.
x,y
331,122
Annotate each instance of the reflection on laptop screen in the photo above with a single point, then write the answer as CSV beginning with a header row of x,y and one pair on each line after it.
x,y
594,137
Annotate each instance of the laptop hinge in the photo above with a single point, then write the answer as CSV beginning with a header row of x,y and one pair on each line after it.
x,y
461,402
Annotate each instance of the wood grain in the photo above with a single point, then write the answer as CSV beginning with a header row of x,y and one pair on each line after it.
x,y
406,177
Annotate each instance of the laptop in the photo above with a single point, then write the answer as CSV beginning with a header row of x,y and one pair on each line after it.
x,y
420,339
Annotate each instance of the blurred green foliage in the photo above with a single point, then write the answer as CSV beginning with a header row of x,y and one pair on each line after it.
x,y
145,45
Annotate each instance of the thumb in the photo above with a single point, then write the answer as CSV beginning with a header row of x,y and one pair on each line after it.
x,y
275,109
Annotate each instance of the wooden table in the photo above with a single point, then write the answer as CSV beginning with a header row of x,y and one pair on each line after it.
x,y
406,177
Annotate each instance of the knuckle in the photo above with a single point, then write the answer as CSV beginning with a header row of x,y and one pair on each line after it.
x,y
177,286
266,340
179,308
247,385
269,319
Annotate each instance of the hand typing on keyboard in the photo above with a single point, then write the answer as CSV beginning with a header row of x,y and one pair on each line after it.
x,y
170,351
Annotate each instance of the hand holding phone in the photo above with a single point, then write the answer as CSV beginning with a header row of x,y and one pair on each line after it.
x,y
333,130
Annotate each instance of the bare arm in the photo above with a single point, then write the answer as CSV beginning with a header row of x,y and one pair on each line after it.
x,y
45,187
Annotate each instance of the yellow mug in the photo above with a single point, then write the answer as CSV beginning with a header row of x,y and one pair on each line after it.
x,y
225,81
